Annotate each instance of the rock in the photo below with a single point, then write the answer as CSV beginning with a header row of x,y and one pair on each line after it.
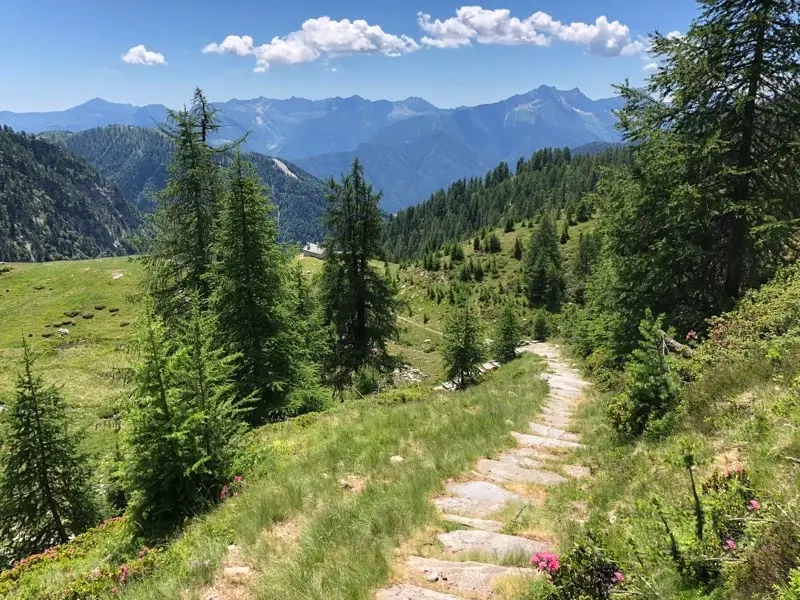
x,y
345,485
72,314
100,307
237,572
113,310
496,545
116,274
88,316
482,524
63,332
506,471
47,335
432,577
396,460
404,591
467,576
124,323
552,432
476,499
537,441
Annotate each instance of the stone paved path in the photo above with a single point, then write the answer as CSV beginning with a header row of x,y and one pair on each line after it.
x,y
474,559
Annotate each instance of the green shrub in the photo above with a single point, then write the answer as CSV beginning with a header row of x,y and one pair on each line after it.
x,y
404,395
651,389
541,325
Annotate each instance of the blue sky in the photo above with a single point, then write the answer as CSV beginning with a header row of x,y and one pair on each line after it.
x,y
55,54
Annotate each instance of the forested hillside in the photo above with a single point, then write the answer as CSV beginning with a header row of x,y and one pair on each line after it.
x,y
54,205
136,159
552,179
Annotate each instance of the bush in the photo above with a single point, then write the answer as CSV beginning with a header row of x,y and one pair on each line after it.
x,y
651,389
541,325
404,395
368,380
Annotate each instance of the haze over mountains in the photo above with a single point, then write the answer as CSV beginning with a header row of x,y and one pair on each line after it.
x,y
409,148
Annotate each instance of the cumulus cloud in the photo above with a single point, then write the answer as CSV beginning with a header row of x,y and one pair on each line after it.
x,y
139,55
484,26
317,38
651,66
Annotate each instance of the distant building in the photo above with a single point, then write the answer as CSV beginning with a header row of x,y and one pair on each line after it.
x,y
314,251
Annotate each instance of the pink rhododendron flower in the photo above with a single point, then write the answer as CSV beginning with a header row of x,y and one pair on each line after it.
x,y
754,505
123,574
730,544
692,335
237,479
224,493
545,561
618,577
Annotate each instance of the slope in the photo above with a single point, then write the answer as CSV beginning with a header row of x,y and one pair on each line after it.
x,y
54,205
136,159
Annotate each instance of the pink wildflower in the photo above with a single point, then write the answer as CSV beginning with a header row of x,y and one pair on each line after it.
x,y
123,574
113,590
237,479
754,505
618,577
692,335
545,561
730,544
224,493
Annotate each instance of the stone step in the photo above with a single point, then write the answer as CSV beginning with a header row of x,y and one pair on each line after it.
x,y
537,441
482,524
467,576
404,591
494,545
564,377
552,432
505,471
476,499
556,412
554,420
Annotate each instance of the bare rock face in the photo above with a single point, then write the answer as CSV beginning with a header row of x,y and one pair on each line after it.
x,y
404,591
496,545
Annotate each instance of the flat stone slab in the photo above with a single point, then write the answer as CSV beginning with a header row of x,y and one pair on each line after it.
x,y
537,441
404,591
555,420
476,499
576,471
553,432
556,412
496,545
506,471
468,576
482,524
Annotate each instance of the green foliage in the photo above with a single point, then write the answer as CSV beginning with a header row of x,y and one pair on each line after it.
x,y
507,337
55,206
509,226
551,177
543,278
586,572
360,304
492,245
463,351
650,386
541,327
253,299
179,264
517,251
45,481
182,426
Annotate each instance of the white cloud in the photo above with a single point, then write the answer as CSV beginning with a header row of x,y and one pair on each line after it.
x,y
139,55
651,66
486,26
317,38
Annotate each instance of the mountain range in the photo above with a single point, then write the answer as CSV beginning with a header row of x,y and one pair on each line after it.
x,y
409,148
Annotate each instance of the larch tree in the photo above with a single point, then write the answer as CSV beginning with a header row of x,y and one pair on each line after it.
x,y
252,298
45,480
463,352
359,302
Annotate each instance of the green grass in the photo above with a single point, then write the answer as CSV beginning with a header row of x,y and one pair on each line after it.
x,y
345,539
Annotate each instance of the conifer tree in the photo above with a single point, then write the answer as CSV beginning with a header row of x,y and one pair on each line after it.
x,y
544,281
180,260
517,252
463,352
252,298
360,304
45,489
509,226
507,336
476,244
564,232
182,425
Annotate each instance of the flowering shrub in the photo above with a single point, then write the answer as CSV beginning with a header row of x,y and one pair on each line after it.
x,y
583,572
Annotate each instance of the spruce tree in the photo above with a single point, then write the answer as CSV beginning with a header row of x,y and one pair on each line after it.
x,y
182,425
463,352
509,226
360,304
542,266
517,252
179,263
507,336
564,232
252,298
45,481
722,110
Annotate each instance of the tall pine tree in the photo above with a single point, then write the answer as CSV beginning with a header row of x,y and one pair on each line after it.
x,y
507,336
359,302
180,261
463,352
45,489
544,281
252,297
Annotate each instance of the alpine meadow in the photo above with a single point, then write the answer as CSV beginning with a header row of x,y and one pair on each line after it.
x,y
540,348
